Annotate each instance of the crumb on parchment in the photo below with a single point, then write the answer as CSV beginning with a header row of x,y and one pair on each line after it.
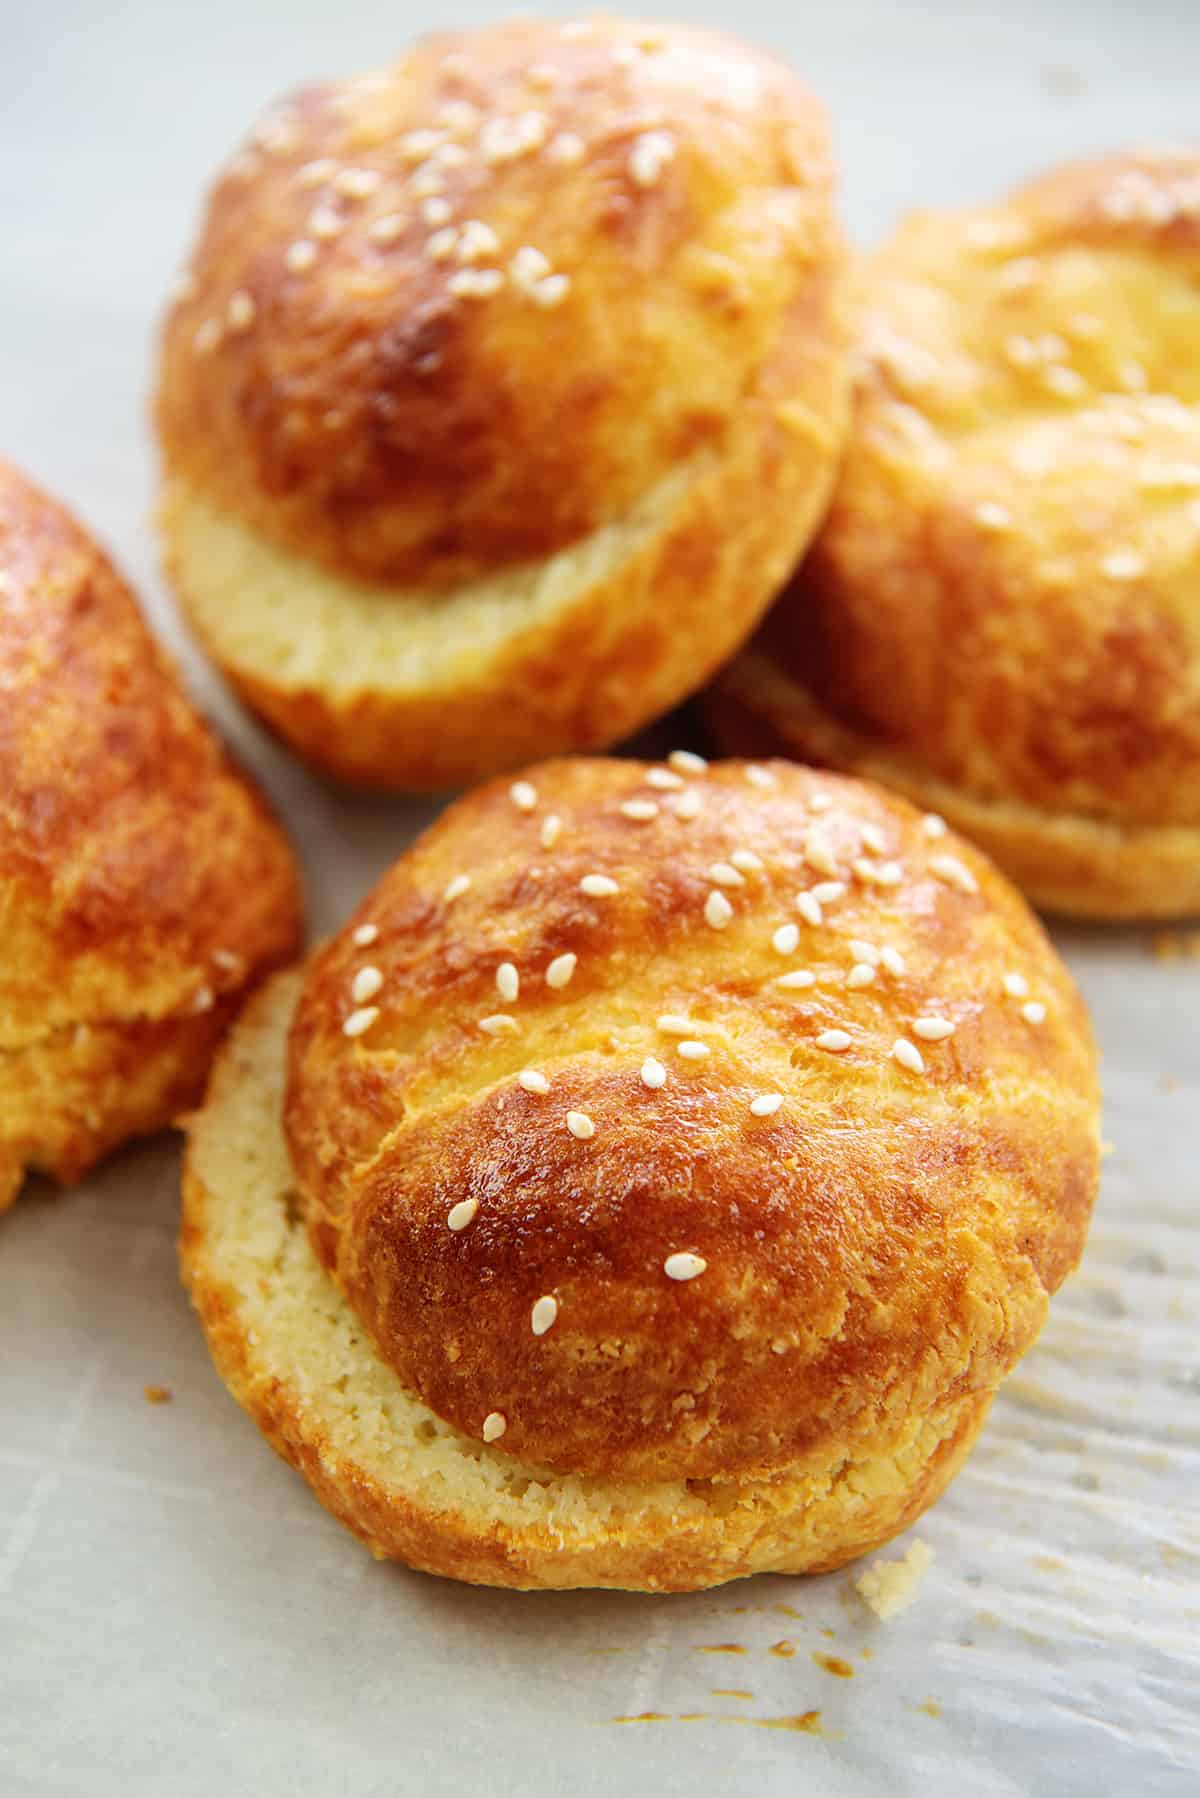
x,y
888,1587
157,1395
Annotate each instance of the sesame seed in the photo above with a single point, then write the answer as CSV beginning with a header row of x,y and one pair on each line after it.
x,y
541,74
508,982
205,999
300,255
889,874
866,870
766,1105
650,155
653,1073
892,960
458,115
861,974
785,939
683,1266
531,1081
312,174
626,56
1016,986
874,839
505,140
991,516
1068,383
498,1024
567,148
672,1023
819,802
360,1020
688,806
954,873
933,1030
1123,565
819,855
863,951
416,145
494,1426
476,240
356,184
663,779
717,910
365,985
183,287
207,337
435,211
809,907
551,292
475,283
1034,1012
523,795
747,861
560,970
239,314
392,225
691,1050
543,1314
551,830
324,222
228,959
1132,376
833,1040
580,1125
759,777
598,886
440,247
725,874
527,267
799,977
640,810
933,825
908,1055
457,887
428,179
826,892
687,762
460,1215
365,934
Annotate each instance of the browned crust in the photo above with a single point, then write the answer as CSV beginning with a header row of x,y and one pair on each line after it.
x,y
884,1243
143,882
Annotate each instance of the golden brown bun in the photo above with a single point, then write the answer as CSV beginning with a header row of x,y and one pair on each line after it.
x,y
294,1354
877,1249
429,533
1001,615
143,884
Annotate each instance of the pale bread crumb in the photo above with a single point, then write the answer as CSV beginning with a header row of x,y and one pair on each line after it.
x,y
888,1587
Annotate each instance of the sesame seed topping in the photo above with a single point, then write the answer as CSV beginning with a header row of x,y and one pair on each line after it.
x,y
567,148
300,255
505,140
531,1081
527,267
457,887
494,1426
239,314
991,516
691,1050
360,1020
688,762
862,951
312,174
205,999
766,1105
392,225
449,156
458,115
1034,1012
725,874
428,179
874,839
498,1024
1016,986
1068,383
1123,565
365,985
508,982
819,855
183,287
440,247
551,830
819,802
460,1215
785,939
356,184
954,873
747,861
908,1055
892,960
933,824
416,145
809,907
476,240
523,795
672,1023
598,886
324,222
550,292
475,283
640,810
833,1040
542,74
683,1266
560,970
228,959
365,934
687,806
434,211
933,1030
717,910
580,1125
650,155
653,1073
861,974
207,337
759,777
543,1314
826,892
799,977
663,779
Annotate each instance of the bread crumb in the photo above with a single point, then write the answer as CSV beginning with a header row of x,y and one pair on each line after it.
x,y
158,1395
888,1587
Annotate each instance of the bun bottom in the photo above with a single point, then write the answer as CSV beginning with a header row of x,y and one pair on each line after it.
x,y
295,1356
1069,865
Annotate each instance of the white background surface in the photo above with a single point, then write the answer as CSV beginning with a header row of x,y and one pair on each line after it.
x,y
177,1616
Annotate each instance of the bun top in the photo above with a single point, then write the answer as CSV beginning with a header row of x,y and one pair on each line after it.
x,y
1008,583
140,875
666,1122
462,312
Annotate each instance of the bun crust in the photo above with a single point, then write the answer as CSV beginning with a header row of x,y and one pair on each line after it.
x,y
1000,612
143,884
418,497
876,1248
